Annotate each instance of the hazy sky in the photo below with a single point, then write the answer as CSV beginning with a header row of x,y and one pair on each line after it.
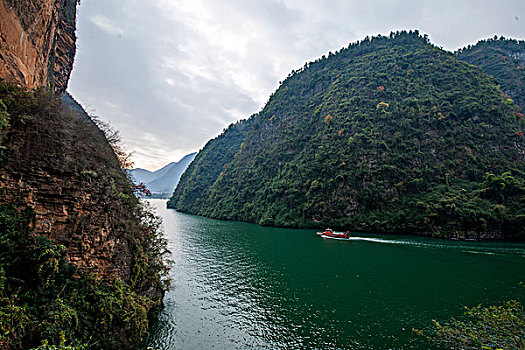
x,y
171,74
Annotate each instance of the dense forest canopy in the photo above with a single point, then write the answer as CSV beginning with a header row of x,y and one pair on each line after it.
x,y
502,58
390,134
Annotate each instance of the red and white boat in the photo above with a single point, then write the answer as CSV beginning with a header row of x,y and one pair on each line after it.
x,y
329,233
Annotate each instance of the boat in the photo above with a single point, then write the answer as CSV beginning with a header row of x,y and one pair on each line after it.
x,y
329,233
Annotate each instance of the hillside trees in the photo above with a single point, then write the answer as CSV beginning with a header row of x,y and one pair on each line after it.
x,y
390,134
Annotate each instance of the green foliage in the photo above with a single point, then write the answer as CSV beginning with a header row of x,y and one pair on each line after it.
x,y
150,251
44,301
41,300
209,165
390,134
504,59
45,346
494,327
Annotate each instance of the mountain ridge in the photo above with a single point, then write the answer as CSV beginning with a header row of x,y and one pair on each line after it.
x,y
162,182
502,58
382,136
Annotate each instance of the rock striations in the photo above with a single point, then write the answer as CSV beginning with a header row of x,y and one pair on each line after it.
x,y
37,42
90,269
62,167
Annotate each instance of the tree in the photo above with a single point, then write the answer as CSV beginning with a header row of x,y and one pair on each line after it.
x,y
491,328
115,141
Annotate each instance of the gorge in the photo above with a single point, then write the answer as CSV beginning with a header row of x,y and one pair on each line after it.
x,y
417,150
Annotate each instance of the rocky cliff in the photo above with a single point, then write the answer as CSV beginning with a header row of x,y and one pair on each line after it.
x,y
86,247
60,165
37,42
81,259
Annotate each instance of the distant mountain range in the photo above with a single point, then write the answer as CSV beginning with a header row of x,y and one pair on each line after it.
x,y
162,182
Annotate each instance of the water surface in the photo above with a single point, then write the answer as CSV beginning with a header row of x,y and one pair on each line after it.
x,y
242,286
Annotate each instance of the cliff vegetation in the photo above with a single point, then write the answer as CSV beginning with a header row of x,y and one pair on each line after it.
x,y
504,59
81,259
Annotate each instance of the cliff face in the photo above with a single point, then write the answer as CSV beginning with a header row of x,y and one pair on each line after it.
x,y
58,162
37,42
60,165
53,153
81,258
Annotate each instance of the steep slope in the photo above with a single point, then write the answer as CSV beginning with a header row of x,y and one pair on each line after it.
x,y
163,181
61,180
38,42
192,194
502,58
390,134
60,165
81,260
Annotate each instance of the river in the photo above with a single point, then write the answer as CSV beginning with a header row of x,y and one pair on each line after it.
x,y
242,286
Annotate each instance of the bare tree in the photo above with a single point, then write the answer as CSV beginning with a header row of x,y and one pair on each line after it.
x,y
115,141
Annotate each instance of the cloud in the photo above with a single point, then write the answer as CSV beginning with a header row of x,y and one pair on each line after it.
x,y
106,25
171,74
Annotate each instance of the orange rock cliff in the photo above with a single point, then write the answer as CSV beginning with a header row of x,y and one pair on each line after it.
x,y
37,42
59,164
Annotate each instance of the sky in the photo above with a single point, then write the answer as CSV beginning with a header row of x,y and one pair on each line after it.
x,y
172,74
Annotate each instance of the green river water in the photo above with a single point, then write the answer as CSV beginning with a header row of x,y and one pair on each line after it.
x,y
242,286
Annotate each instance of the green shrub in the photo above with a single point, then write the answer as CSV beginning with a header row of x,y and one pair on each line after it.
x,y
42,303
491,328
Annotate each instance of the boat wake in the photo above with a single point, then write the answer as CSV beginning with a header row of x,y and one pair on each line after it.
x,y
467,247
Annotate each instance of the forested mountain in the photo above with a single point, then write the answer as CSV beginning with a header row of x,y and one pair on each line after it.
x,y
162,182
504,59
196,183
390,134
